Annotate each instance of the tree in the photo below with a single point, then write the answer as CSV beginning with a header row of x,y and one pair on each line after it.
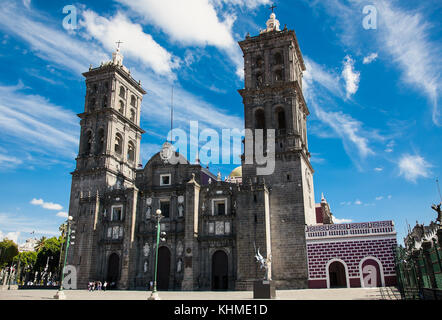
x,y
9,250
40,244
49,254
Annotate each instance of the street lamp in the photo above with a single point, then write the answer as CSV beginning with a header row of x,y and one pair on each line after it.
x,y
60,294
154,295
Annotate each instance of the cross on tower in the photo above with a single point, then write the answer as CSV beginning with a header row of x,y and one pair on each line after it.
x,y
118,43
273,7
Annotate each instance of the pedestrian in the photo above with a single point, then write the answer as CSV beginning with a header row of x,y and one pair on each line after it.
x,y
151,285
104,285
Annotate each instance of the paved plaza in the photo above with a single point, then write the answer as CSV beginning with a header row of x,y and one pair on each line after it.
x,y
308,294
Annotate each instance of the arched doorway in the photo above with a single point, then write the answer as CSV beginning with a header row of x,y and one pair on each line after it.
x,y
371,273
113,270
220,271
163,268
337,275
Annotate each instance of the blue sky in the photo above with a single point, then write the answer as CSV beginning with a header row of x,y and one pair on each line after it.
x,y
374,95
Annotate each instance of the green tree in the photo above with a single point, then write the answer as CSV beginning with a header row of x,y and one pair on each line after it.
x,y
49,254
40,244
9,250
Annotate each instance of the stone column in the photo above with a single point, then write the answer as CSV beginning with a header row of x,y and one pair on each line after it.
x,y
191,261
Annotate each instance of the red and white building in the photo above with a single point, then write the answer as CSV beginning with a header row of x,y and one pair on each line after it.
x,y
350,255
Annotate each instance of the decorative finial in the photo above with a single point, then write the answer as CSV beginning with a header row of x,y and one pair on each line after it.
x,y
118,44
117,57
273,7
219,176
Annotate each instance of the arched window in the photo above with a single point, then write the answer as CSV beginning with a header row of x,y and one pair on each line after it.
x,y
132,115
259,79
279,75
280,116
122,92
131,152
104,102
118,144
92,104
87,142
121,110
259,62
133,101
100,141
277,58
95,88
260,120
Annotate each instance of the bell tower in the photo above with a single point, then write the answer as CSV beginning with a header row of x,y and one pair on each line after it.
x,y
103,193
273,100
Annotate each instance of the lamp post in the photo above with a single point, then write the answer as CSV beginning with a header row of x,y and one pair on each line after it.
x,y
60,294
154,295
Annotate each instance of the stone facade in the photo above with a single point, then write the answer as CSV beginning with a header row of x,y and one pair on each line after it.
x,y
213,227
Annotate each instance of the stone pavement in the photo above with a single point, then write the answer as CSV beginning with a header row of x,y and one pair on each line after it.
x,y
308,294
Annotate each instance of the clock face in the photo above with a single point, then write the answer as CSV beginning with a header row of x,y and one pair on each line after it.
x,y
180,199
149,201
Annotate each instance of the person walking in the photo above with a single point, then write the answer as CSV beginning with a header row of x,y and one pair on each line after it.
x,y
104,285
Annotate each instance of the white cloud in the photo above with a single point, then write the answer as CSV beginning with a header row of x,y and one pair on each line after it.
x,y
10,236
193,23
27,3
251,4
413,167
403,35
9,162
379,169
406,39
34,121
137,44
62,214
358,202
370,58
351,77
339,221
346,127
379,198
46,205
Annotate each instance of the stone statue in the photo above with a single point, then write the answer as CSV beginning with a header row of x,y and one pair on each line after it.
x,y
146,250
179,266
145,266
264,263
180,249
148,213
180,210
437,208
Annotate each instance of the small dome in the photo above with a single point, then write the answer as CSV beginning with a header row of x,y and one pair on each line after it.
x,y
236,173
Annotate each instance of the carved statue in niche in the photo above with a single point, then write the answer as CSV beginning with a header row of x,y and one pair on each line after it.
x,y
180,248
145,266
146,249
180,210
179,266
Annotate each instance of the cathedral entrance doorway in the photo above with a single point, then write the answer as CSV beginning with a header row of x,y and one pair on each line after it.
x,y
337,275
220,271
163,268
113,269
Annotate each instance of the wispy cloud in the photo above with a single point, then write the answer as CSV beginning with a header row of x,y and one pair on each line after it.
x,y
10,236
403,35
413,167
339,221
138,45
46,205
370,58
351,76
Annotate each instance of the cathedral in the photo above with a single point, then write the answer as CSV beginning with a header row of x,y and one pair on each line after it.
x,y
213,227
